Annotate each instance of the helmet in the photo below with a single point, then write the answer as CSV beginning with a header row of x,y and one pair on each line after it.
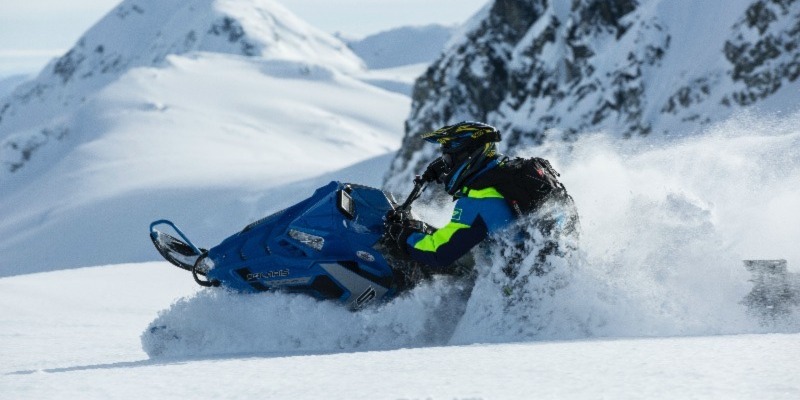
x,y
468,148
463,136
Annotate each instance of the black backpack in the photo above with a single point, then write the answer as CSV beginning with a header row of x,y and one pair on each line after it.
x,y
524,182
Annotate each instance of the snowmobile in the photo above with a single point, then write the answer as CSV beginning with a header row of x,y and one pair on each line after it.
x,y
330,246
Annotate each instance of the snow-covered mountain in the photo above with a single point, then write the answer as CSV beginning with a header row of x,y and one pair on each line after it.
x,y
180,109
397,57
402,46
9,83
143,33
537,68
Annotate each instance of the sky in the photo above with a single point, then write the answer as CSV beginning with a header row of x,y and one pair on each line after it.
x,y
34,31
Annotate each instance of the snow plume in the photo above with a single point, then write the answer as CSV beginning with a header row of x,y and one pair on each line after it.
x,y
222,322
522,273
665,227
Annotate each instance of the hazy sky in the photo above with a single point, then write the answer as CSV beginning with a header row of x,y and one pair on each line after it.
x,y
33,31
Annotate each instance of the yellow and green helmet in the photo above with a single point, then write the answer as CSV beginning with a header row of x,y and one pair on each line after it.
x,y
467,147
463,136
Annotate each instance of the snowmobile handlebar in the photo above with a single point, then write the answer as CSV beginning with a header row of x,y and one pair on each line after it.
x,y
403,211
419,185
432,173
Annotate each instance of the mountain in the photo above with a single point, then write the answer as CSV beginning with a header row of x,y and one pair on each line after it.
x,y
9,83
401,46
143,33
397,57
541,69
191,110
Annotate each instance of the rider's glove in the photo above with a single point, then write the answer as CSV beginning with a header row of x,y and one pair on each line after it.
x,y
399,226
436,169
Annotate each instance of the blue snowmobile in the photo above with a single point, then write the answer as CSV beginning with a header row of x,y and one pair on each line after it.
x,y
330,246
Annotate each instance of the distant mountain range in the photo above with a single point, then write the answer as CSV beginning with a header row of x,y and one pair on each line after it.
x,y
401,46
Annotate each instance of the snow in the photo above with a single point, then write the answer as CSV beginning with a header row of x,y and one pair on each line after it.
x,y
397,79
8,83
148,34
74,334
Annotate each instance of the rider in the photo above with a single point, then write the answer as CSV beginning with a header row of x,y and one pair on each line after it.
x,y
490,192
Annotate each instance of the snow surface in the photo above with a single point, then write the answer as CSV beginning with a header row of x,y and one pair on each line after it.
x,y
74,334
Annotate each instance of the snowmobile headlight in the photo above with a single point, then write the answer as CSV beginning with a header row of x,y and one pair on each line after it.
x,y
313,241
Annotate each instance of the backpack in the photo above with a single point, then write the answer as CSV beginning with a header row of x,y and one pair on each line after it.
x,y
524,182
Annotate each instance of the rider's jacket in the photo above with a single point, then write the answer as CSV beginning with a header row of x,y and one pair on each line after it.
x,y
477,213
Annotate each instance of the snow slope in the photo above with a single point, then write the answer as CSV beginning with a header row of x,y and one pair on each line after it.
x,y
395,58
66,343
190,110
9,83
397,79
143,33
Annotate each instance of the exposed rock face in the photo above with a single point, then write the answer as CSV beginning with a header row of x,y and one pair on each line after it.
x,y
539,68
765,54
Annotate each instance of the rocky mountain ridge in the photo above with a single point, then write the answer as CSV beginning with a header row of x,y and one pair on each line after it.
x,y
539,69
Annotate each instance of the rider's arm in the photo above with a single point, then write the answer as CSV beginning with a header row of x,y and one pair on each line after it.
x,y
476,215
